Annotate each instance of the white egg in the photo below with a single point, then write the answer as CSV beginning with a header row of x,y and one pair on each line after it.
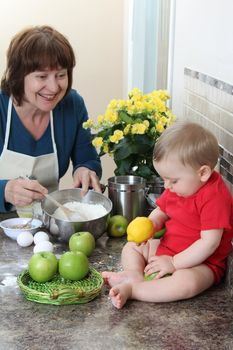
x,y
43,246
25,239
54,229
40,236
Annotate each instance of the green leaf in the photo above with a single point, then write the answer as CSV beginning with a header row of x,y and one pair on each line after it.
x,y
123,149
125,117
123,153
105,133
144,171
139,145
124,167
144,139
101,153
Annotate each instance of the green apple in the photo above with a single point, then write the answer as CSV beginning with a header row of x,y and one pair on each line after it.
x,y
117,226
153,275
150,277
42,266
82,242
73,266
160,233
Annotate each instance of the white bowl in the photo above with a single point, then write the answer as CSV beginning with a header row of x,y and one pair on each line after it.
x,y
11,231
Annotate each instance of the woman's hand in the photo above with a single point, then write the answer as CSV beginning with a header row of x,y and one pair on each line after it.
x,y
162,264
21,192
85,178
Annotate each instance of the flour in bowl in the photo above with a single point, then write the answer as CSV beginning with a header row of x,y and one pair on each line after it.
x,y
83,211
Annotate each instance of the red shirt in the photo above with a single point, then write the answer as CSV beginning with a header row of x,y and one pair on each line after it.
x,y
209,208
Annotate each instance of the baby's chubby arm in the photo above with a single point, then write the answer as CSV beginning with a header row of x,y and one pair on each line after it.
x,y
194,255
158,217
199,251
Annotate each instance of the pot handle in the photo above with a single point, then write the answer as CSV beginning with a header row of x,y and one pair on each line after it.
x,y
150,201
103,187
147,190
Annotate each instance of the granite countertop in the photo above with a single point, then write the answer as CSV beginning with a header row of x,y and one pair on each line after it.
x,y
204,322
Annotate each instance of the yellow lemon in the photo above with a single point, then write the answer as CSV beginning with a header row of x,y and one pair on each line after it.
x,y
140,229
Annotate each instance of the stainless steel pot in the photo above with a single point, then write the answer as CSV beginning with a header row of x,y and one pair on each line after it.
x,y
62,229
127,194
130,195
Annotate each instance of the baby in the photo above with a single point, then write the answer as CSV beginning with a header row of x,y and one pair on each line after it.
x,y
195,208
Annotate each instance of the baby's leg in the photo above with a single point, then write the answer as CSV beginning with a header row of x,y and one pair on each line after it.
x,y
134,258
113,278
183,284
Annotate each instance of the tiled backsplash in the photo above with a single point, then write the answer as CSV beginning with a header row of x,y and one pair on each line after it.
x,y
209,102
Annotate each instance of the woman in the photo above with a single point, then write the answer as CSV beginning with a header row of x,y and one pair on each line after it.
x,y
41,120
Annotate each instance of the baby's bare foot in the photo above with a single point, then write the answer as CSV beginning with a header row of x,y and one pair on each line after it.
x,y
114,278
120,294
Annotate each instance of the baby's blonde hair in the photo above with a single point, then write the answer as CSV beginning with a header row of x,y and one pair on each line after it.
x,y
192,143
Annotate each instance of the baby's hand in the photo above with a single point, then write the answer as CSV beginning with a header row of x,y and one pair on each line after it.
x,y
162,264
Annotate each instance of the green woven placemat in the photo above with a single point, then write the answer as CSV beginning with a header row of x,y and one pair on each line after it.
x,y
59,291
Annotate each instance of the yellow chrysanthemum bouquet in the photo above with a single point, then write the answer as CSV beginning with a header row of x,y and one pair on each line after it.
x,y
129,129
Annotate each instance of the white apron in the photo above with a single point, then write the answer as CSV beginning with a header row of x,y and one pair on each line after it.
x,y
13,164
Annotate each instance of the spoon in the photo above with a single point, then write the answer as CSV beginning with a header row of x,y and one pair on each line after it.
x,y
27,223
68,212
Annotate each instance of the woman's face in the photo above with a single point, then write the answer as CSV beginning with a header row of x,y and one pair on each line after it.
x,y
44,89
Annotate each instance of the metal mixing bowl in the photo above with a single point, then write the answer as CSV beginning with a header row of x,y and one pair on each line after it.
x,y
63,229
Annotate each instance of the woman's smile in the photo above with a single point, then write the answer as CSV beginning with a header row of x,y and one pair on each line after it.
x,y
48,97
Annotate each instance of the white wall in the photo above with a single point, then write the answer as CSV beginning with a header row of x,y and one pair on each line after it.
x,y
203,42
95,29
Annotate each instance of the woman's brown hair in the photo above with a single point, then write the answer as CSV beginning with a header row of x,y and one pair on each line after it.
x,y
32,49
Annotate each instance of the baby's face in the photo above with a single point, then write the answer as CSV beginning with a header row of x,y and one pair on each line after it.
x,y
183,180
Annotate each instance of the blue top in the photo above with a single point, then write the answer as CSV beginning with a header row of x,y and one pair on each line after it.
x,y
72,141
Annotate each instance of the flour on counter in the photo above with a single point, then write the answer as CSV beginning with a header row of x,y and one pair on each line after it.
x,y
9,281
84,211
